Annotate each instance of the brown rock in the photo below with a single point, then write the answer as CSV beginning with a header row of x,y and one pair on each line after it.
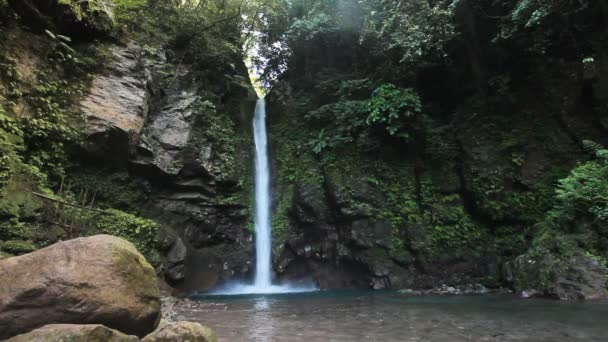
x,y
73,333
182,331
96,280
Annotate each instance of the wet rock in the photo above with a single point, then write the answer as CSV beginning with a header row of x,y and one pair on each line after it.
x,y
175,258
371,233
380,283
95,280
410,292
176,273
577,278
529,293
310,205
583,278
73,333
469,289
178,252
182,331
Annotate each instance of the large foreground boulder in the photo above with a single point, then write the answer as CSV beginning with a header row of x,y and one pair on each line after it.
x,y
95,280
73,333
182,331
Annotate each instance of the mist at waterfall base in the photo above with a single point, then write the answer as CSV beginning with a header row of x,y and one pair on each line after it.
x,y
263,231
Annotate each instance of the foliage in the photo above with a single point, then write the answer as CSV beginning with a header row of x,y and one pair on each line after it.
x,y
143,233
126,12
214,131
112,189
393,108
540,25
18,247
417,31
581,204
53,125
310,28
354,115
322,141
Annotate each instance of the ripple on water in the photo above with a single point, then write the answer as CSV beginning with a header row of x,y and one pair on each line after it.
x,y
387,316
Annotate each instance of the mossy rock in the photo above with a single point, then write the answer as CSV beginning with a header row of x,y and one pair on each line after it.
x,y
182,331
95,280
4,255
74,333
18,247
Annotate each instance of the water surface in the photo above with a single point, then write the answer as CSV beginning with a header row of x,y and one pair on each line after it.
x,y
389,316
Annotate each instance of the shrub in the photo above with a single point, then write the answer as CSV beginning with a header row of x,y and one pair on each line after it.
x,y
583,195
18,247
394,108
143,233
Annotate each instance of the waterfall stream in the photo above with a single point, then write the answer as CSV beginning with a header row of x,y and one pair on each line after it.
x,y
263,221
263,238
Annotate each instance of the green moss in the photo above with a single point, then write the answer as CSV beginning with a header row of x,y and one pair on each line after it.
x,y
4,255
140,278
280,218
18,247
296,166
502,203
295,162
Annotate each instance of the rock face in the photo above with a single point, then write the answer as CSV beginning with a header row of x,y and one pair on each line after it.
x,y
182,331
401,217
149,115
116,106
577,278
95,280
335,243
73,333
583,278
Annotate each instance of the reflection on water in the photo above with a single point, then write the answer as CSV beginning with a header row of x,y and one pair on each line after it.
x,y
262,317
388,316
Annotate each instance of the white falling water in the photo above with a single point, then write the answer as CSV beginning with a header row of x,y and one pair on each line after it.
x,y
263,238
263,229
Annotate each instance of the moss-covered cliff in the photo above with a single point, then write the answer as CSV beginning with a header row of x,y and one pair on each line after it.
x,y
115,121
419,144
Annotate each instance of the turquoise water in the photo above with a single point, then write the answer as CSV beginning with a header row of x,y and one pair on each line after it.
x,y
390,316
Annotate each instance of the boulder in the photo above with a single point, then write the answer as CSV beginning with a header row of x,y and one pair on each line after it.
x,y
583,278
182,331
575,278
73,333
95,280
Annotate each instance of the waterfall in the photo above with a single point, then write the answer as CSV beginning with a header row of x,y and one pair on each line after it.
x,y
263,229
263,238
